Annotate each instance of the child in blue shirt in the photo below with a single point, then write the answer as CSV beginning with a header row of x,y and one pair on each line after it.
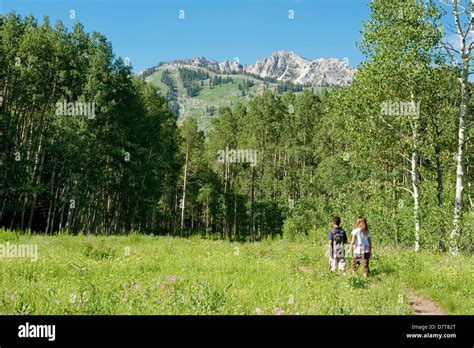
x,y
337,237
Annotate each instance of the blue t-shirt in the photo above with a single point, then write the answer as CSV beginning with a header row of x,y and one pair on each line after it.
x,y
337,230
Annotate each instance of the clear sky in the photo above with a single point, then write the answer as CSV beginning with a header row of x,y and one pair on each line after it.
x,y
150,31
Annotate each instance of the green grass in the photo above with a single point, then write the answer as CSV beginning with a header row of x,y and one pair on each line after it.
x,y
155,80
165,275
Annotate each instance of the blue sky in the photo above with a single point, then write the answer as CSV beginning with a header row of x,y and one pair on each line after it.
x,y
150,31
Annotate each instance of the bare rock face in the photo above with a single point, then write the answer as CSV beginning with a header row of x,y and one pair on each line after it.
x,y
226,67
288,66
230,67
282,66
201,62
326,72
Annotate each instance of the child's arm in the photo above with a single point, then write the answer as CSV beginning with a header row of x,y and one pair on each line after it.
x,y
352,243
330,243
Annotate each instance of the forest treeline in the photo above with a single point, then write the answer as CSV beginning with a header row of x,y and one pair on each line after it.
x,y
109,172
388,146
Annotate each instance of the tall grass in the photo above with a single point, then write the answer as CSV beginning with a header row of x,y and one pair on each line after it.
x,y
164,275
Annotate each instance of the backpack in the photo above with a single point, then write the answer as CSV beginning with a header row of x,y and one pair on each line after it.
x,y
338,242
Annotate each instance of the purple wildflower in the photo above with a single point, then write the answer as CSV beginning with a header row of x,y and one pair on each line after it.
x,y
171,278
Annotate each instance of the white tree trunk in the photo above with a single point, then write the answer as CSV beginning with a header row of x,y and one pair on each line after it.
x,y
183,202
458,199
416,198
465,54
415,176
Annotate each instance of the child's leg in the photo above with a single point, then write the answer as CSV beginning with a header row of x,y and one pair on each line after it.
x,y
365,263
332,264
342,264
355,263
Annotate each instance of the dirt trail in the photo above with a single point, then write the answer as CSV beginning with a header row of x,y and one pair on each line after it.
x,y
422,306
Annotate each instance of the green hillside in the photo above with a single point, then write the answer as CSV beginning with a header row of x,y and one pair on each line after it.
x,y
204,105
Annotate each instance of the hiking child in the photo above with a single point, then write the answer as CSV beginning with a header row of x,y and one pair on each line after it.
x,y
337,237
363,246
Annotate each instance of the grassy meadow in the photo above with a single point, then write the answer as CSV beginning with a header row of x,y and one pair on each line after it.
x,y
139,274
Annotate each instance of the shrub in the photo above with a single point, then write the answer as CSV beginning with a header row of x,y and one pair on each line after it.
x,y
7,235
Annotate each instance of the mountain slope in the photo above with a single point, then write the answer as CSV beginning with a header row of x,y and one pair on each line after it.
x,y
281,65
198,87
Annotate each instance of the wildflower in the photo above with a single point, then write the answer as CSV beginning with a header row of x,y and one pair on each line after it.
x,y
278,311
291,300
297,313
236,251
135,286
171,278
56,301
257,310
72,298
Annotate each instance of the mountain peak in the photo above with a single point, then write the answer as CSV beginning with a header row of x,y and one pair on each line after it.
x,y
289,66
285,66
286,53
